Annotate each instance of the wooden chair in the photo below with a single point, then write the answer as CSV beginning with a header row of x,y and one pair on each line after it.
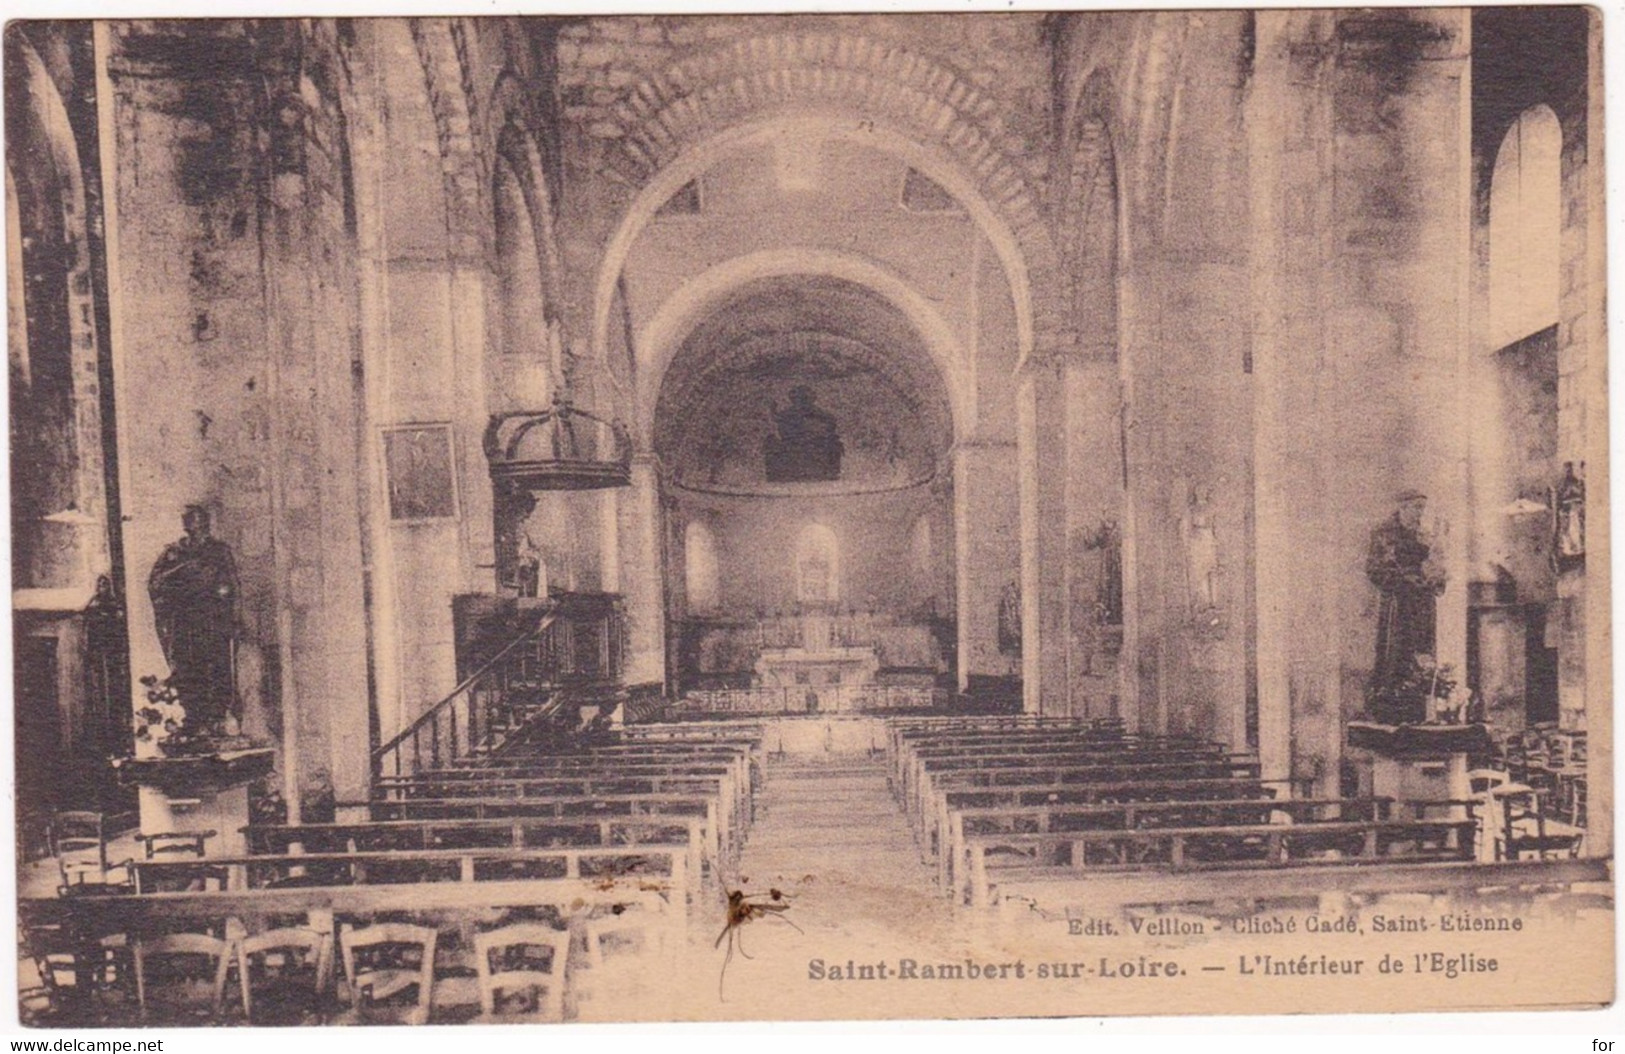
x,y
78,840
74,974
1528,830
517,969
383,964
175,843
284,975
181,978
638,926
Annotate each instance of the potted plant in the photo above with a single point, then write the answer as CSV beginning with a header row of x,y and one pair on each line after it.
x,y
1408,698
160,724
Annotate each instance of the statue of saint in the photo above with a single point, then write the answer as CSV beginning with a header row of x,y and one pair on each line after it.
x,y
1201,551
1400,563
806,447
194,603
1010,620
1569,505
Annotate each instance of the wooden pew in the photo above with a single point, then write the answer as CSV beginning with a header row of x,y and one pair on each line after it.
x,y
1230,847
1120,816
514,833
719,847
733,767
910,751
931,815
902,729
727,818
427,866
934,833
920,765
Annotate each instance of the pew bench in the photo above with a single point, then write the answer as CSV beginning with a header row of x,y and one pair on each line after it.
x,y
937,816
721,809
734,777
719,846
665,864
920,767
928,802
1231,847
514,833
1121,816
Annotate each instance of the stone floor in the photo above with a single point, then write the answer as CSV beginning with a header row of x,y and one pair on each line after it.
x,y
833,840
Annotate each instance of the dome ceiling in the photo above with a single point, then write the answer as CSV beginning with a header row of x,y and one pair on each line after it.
x,y
864,368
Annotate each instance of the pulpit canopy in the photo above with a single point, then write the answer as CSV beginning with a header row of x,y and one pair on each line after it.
x,y
560,448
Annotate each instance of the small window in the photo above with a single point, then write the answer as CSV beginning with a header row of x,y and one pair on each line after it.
x,y
685,202
700,567
921,193
817,567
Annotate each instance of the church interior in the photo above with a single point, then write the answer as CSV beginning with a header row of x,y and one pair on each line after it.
x,y
521,495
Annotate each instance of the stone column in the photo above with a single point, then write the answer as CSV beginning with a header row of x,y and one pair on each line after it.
x,y
638,519
1590,329
987,553
1360,228
1094,531
1041,430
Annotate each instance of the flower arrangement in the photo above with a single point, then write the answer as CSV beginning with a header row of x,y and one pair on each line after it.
x,y
162,719
1407,699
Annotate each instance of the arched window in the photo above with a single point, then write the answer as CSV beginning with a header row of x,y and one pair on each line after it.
x,y
1525,228
920,553
818,565
519,274
1092,243
700,567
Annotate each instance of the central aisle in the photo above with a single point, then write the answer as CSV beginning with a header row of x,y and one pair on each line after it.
x,y
831,816
829,835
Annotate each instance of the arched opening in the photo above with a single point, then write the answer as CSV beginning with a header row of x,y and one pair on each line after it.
x,y
1526,201
1074,516
416,372
1513,655
56,504
726,148
525,339
803,435
69,633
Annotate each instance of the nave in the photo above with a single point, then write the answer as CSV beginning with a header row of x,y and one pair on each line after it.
x,y
592,881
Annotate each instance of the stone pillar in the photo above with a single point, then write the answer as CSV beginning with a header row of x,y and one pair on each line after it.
x,y
1360,224
638,519
987,553
1591,329
1094,531
1041,430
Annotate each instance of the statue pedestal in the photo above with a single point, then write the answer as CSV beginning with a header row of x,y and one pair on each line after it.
x,y
1411,763
198,792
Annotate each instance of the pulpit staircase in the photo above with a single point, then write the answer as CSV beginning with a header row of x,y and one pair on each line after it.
x,y
567,658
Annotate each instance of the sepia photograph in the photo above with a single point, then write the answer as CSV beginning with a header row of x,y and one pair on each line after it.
x,y
807,516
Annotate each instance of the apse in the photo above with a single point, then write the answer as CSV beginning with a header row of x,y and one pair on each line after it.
x,y
803,432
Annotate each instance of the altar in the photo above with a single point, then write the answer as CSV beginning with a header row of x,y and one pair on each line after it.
x,y
818,672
